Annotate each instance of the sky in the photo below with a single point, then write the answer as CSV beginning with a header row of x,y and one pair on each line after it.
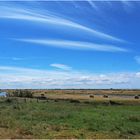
x,y
69,44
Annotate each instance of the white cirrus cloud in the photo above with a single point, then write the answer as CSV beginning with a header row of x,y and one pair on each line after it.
x,y
93,5
77,45
61,66
48,17
22,58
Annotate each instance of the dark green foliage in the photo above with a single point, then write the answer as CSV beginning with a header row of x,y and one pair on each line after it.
x,y
134,118
74,101
22,93
105,96
114,103
8,100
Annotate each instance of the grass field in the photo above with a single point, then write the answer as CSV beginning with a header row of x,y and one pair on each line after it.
x,y
68,119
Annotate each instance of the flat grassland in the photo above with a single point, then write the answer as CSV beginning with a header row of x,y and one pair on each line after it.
x,y
71,114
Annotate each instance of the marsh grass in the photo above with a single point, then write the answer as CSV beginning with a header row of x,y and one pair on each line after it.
x,y
64,119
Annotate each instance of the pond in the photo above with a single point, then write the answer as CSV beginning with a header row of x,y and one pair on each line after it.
x,y
3,94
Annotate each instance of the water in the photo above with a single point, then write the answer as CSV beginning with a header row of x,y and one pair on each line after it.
x,y
3,94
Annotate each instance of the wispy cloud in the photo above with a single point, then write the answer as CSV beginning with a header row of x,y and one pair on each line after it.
x,y
77,45
93,5
22,58
17,77
12,58
127,5
51,18
61,66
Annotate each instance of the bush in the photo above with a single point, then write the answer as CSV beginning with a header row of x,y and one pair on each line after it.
x,y
134,118
23,93
74,101
105,96
8,100
114,103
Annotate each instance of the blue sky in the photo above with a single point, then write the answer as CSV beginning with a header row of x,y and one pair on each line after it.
x,y
69,44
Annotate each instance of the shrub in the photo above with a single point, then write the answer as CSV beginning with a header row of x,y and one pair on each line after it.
x,y
114,103
8,100
87,102
23,93
74,101
105,96
134,118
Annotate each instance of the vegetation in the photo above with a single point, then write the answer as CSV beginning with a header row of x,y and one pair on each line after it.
x,y
85,91
67,119
21,93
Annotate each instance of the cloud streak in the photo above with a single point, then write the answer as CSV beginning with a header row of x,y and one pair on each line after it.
x,y
92,4
61,66
76,45
51,18
23,58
